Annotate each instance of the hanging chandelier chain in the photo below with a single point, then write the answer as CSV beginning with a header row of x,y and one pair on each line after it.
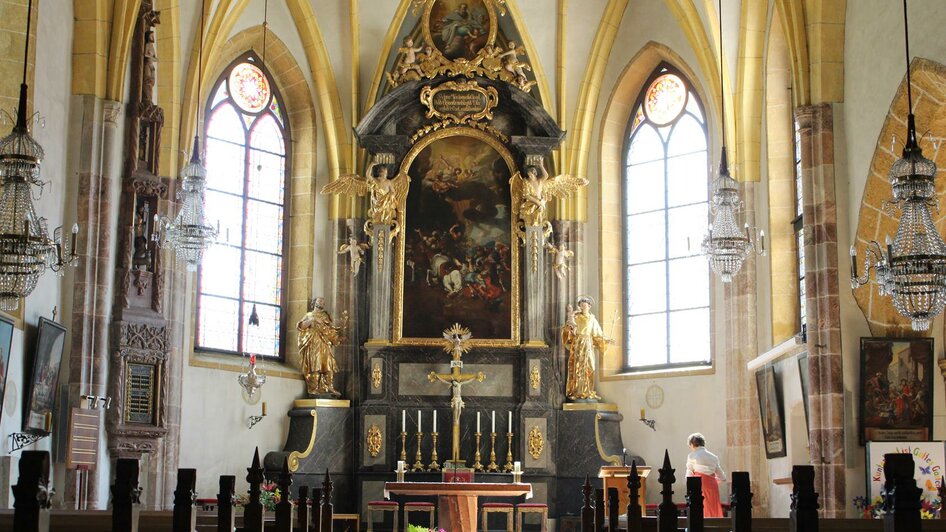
x,y
906,38
722,87
200,76
26,49
265,26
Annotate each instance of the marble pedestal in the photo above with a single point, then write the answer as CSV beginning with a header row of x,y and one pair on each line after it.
x,y
320,439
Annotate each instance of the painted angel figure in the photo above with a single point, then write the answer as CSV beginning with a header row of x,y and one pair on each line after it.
x,y
560,256
356,253
535,190
386,194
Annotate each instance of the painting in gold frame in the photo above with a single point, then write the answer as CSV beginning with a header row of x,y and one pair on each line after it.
x,y
458,260
459,29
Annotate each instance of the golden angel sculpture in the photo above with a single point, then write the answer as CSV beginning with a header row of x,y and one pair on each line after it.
x,y
318,336
386,197
356,253
581,336
535,190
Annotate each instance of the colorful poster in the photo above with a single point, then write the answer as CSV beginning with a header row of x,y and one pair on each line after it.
x,y
929,459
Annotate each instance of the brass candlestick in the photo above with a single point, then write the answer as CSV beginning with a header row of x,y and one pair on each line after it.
x,y
403,446
434,466
477,466
493,466
508,466
418,465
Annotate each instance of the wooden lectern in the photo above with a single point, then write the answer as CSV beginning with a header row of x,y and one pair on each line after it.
x,y
616,477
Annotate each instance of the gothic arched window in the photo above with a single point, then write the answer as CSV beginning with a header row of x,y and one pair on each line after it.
x,y
247,192
666,187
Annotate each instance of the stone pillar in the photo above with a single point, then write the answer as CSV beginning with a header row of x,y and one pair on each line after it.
x,y
349,295
744,435
561,293
97,170
826,395
380,267
533,286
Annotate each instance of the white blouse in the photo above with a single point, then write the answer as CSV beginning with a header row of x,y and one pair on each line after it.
x,y
706,463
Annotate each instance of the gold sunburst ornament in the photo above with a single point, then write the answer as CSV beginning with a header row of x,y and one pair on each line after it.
x,y
455,337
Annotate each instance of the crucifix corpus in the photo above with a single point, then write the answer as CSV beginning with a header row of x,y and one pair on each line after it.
x,y
456,337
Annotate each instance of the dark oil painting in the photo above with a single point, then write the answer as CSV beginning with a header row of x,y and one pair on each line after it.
x,y
459,28
896,389
457,238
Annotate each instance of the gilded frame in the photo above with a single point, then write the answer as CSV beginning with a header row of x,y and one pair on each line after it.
x,y
490,37
398,321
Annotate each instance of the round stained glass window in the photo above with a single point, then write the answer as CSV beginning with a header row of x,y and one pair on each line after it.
x,y
249,88
665,98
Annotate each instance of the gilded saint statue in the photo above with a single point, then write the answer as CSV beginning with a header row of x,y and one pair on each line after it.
x,y
318,337
581,336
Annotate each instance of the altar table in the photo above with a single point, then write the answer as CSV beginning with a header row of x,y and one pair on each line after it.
x,y
457,500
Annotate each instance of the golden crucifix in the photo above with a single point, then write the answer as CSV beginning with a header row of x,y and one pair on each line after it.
x,y
455,337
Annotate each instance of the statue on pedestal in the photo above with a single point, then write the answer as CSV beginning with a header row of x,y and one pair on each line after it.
x,y
318,337
581,335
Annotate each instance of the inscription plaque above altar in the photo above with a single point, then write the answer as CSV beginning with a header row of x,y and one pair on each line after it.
x,y
459,101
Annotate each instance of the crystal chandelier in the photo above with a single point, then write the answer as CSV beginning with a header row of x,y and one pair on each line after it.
x,y
26,250
189,234
911,269
726,245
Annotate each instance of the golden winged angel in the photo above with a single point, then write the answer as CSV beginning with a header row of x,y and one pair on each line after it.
x,y
386,194
535,189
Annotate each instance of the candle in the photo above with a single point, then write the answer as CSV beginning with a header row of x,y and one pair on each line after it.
x,y
400,466
403,420
477,422
435,421
642,414
853,262
494,421
418,422
516,467
264,408
510,422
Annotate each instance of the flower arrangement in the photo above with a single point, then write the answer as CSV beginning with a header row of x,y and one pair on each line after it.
x,y
874,508
417,528
268,497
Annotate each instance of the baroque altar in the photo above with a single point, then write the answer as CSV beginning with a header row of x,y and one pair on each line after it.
x,y
456,227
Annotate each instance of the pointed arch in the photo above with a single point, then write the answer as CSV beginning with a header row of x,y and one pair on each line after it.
x,y
614,126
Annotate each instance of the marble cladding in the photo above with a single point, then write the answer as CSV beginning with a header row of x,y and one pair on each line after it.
x,y
350,295
413,380
826,396
334,449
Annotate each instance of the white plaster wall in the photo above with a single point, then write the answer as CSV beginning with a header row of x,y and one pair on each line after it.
x,y
874,30
51,99
692,403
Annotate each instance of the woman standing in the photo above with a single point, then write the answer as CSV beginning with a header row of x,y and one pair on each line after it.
x,y
704,464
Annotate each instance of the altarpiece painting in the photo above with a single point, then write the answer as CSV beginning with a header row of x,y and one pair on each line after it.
x,y
458,250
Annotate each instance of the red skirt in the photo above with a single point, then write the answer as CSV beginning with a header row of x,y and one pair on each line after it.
x,y
711,504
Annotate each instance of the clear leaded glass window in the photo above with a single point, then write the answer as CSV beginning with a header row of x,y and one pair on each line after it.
x,y
246,192
799,228
666,187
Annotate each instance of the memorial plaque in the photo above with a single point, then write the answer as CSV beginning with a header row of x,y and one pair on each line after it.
x,y
83,438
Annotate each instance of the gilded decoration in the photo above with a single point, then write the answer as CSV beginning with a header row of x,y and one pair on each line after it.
x,y
459,39
457,256
386,197
373,441
536,443
376,377
459,101
535,378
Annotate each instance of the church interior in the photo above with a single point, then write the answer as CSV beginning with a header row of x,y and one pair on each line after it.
x,y
357,236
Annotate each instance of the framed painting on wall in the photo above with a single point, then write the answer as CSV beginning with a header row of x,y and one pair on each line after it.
x,y
6,343
41,398
896,389
770,409
804,378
